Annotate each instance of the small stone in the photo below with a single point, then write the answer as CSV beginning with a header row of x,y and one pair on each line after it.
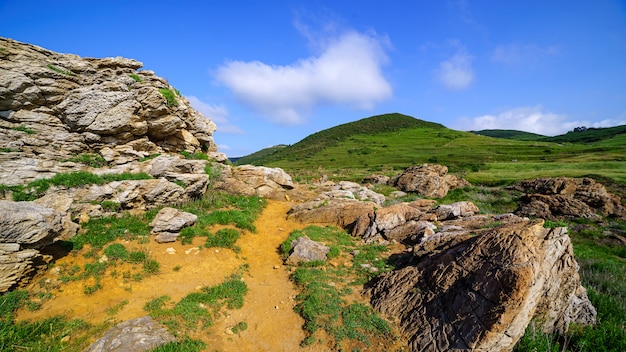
x,y
170,250
276,266
103,259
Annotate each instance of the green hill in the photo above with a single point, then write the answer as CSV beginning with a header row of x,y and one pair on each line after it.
x,y
392,142
588,135
510,134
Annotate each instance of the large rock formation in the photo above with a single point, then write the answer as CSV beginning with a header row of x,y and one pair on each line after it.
x,y
568,198
55,107
478,289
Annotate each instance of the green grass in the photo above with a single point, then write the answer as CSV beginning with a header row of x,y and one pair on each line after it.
x,y
89,159
151,156
9,150
116,251
194,156
169,96
24,129
224,238
186,345
99,232
61,70
135,77
322,302
38,188
199,309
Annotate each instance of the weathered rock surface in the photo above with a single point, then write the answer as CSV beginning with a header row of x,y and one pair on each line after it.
x,y
303,249
568,198
272,183
428,180
26,227
478,289
340,212
135,335
54,107
168,223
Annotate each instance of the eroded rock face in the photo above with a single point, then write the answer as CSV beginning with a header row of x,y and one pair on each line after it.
x,y
248,180
479,289
54,107
568,198
428,180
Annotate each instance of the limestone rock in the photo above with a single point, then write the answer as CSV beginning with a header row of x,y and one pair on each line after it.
x,y
168,223
428,180
456,210
303,249
135,335
479,289
25,227
54,107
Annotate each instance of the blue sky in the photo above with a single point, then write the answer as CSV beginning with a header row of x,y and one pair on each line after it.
x,y
272,72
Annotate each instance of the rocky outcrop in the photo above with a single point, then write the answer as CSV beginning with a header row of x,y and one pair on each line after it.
x,y
25,228
478,289
55,107
303,249
428,180
568,198
135,335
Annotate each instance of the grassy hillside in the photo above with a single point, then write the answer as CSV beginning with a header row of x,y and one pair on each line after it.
x,y
510,134
588,135
392,142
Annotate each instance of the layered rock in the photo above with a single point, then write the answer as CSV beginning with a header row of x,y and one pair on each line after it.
x,y
54,107
478,289
135,335
428,180
303,249
25,228
168,223
568,198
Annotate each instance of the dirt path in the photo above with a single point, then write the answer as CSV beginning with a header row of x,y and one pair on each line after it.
x,y
272,324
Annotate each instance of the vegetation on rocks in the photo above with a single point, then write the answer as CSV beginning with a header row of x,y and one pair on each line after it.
x,y
169,96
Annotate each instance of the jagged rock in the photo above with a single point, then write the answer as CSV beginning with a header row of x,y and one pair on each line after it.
x,y
303,249
352,190
568,198
26,227
168,223
340,212
479,289
456,210
428,180
135,335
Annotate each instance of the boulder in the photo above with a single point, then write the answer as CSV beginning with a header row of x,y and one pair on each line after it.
x,y
340,212
135,335
303,249
273,183
456,210
26,227
428,180
479,289
568,198
168,223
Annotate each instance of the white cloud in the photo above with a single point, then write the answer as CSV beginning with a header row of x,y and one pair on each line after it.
x,y
521,53
217,114
456,73
527,118
346,72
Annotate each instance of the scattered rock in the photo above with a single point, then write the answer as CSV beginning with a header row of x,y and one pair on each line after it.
x,y
568,198
456,210
303,249
168,223
135,335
